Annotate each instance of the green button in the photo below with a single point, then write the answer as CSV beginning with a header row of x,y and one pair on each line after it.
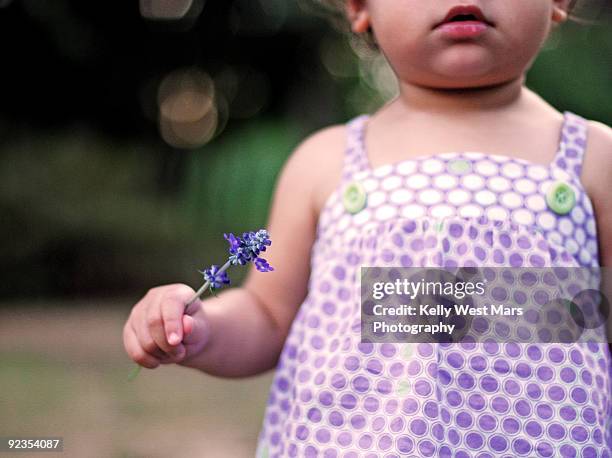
x,y
354,197
459,166
408,351
560,198
403,388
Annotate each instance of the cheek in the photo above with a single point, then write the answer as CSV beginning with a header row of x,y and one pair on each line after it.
x,y
399,31
399,49
403,43
525,31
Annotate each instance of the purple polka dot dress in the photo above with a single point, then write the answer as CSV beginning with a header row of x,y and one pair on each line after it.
x,y
333,396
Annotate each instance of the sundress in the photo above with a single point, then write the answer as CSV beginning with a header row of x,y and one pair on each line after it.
x,y
334,396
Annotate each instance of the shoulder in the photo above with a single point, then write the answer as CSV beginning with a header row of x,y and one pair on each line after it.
x,y
600,135
317,163
596,177
597,167
318,143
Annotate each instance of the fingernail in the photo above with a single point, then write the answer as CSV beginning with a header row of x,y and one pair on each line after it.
x,y
174,338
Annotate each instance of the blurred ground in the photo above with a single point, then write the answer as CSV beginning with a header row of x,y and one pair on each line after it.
x,y
63,373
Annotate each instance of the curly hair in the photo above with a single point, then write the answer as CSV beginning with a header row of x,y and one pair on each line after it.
x,y
334,11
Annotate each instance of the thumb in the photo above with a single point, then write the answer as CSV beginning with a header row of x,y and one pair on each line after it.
x,y
196,330
187,324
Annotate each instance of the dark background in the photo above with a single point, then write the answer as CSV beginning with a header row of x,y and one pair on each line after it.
x,y
97,201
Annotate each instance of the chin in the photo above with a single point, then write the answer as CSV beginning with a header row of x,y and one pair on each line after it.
x,y
466,79
462,83
465,62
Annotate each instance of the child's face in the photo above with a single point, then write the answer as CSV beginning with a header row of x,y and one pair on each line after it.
x,y
497,48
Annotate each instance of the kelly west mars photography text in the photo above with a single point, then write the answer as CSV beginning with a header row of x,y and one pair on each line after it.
x,y
407,289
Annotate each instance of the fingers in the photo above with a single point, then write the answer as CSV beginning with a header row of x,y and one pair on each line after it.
x,y
157,325
135,350
155,328
164,318
146,341
172,312
149,355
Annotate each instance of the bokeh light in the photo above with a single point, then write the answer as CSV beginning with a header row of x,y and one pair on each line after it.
x,y
337,57
377,74
171,9
188,110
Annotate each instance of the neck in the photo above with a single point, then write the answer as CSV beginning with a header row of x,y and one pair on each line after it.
x,y
489,98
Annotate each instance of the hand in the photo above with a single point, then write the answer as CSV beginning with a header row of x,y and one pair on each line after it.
x,y
160,331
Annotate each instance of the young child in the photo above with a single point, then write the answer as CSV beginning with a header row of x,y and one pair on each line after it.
x,y
467,144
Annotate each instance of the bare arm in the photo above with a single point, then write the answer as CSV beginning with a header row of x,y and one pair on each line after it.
x,y
242,331
248,326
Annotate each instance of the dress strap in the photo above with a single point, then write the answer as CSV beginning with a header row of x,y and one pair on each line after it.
x,y
355,157
572,144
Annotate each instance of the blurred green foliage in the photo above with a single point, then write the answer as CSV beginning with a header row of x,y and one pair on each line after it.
x,y
229,183
79,218
76,215
574,70
86,213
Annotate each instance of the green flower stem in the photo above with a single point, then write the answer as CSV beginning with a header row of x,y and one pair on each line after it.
x,y
136,370
205,286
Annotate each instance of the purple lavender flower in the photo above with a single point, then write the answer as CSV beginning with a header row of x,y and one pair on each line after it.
x,y
217,279
239,253
257,241
262,265
233,241
246,249
242,251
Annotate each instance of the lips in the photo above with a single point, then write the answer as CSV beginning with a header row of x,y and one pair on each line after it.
x,y
464,13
